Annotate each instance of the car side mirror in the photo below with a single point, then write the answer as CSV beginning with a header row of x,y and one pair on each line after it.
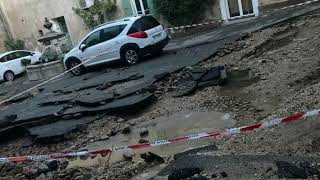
x,y
83,47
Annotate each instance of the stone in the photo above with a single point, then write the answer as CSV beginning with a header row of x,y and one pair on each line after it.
x,y
150,157
214,176
66,117
63,164
143,141
43,168
144,132
184,173
120,120
42,177
104,138
288,170
203,149
49,133
77,115
126,129
104,86
223,174
128,155
198,178
53,165
111,132
312,170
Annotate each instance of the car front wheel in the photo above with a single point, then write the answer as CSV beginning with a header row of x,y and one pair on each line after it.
x,y
131,56
73,65
9,76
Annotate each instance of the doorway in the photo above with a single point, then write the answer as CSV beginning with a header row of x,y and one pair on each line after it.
x,y
140,7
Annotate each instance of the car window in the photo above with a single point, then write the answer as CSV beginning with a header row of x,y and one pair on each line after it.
x,y
9,57
93,39
23,54
111,32
149,22
143,24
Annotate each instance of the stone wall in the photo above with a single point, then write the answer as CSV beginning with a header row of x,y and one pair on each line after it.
x,y
26,17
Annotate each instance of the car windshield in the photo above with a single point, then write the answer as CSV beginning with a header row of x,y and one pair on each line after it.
x,y
159,89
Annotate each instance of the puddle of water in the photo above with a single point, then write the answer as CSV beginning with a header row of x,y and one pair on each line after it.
x,y
240,79
237,80
180,124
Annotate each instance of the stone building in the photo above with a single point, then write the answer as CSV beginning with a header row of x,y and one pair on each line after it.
x,y
23,19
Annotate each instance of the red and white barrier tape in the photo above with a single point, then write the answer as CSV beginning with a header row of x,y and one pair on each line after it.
x,y
294,5
173,30
258,125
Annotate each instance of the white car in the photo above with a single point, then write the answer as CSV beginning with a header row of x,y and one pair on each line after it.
x,y
10,63
126,39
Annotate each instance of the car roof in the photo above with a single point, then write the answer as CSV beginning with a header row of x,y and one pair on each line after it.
x,y
116,22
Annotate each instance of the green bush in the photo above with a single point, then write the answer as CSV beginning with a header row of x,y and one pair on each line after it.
x,y
12,44
102,9
181,12
25,62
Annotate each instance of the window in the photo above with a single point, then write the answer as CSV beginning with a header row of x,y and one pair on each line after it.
x,y
111,32
143,24
93,39
21,54
9,57
140,7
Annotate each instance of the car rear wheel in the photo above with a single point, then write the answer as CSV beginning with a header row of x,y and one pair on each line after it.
x,y
131,56
73,65
9,76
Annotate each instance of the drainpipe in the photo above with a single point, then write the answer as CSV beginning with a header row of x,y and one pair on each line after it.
x,y
223,10
5,23
255,5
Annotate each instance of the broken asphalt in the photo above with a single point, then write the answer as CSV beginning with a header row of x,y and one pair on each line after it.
x,y
67,103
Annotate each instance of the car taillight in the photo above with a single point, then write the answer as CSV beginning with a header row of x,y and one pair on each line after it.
x,y
140,34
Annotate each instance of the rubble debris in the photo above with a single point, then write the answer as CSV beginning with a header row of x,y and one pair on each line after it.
x,y
223,174
19,98
128,155
197,150
197,177
150,157
48,133
144,132
104,86
94,98
184,87
112,132
184,173
142,141
288,170
54,100
159,77
126,130
195,77
126,103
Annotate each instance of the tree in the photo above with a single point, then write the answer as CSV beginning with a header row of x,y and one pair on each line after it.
x,y
179,12
98,13
14,44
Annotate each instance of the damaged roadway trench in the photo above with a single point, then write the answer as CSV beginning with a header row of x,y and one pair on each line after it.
x,y
271,73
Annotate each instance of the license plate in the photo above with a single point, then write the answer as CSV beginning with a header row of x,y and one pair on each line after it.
x,y
157,36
